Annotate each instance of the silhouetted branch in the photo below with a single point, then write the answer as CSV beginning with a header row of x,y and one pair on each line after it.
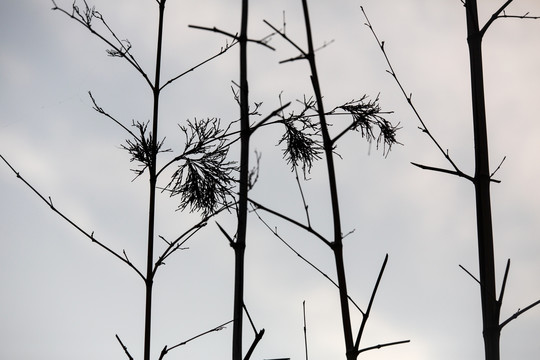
x,y
71,222
524,16
305,329
231,242
497,169
234,36
493,17
119,50
124,347
423,127
274,231
446,171
376,347
503,286
284,36
471,275
221,52
217,328
258,335
268,117
306,207
184,237
368,310
103,112
309,229
518,313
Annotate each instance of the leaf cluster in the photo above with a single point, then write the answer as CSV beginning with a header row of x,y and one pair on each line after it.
x,y
204,177
142,149
301,138
367,118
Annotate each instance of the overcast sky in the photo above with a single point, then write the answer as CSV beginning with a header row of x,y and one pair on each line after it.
x,y
64,298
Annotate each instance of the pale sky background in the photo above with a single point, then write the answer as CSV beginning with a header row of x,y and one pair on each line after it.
x,y
64,298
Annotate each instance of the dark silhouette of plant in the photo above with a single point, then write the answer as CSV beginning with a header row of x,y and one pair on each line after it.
x,y
482,179
306,139
203,179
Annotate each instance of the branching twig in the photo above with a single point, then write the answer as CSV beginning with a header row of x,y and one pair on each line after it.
x,y
71,222
119,50
274,231
234,36
103,112
408,97
217,328
518,313
308,228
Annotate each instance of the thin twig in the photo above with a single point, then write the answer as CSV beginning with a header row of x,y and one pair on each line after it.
x,y
306,207
221,52
494,17
71,222
217,328
376,347
408,97
292,221
471,275
368,310
303,258
234,36
130,59
305,329
124,347
518,313
103,112
503,286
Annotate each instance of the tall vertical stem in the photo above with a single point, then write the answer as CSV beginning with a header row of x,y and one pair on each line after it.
x,y
490,308
240,245
337,245
152,169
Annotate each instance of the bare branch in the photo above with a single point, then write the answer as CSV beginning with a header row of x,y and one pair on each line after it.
x,y
221,52
471,275
518,313
124,347
274,231
71,222
258,337
234,36
103,112
309,229
494,17
408,97
217,328
231,242
305,329
503,286
498,167
120,50
446,171
282,34
376,347
368,310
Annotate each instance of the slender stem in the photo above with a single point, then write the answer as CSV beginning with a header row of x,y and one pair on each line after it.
x,y
153,180
490,308
337,245
240,245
